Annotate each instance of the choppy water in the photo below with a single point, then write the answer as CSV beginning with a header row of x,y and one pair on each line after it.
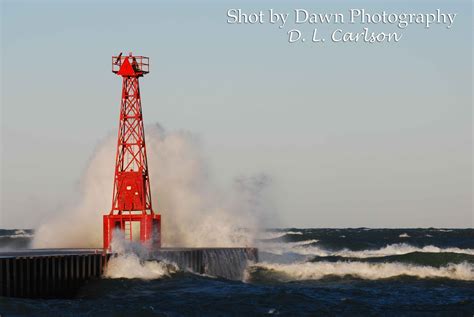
x,y
301,272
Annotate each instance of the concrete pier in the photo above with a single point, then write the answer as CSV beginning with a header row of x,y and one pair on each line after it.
x,y
56,273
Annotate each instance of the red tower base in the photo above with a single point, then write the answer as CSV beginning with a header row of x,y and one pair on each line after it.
x,y
143,228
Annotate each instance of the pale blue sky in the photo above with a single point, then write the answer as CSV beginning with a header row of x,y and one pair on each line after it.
x,y
351,134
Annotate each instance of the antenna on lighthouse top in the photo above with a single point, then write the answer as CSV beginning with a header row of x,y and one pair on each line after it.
x,y
117,60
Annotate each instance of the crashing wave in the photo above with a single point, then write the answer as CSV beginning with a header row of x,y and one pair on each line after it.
x,y
130,266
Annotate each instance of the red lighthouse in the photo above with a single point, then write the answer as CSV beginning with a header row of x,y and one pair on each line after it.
x,y
131,210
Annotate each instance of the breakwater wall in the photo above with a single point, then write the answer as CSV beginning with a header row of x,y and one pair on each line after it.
x,y
59,273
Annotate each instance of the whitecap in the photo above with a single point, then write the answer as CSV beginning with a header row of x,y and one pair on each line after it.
x,y
304,248
370,271
20,233
277,234
271,235
294,232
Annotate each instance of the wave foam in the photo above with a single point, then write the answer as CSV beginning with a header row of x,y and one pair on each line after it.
x,y
370,271
130,266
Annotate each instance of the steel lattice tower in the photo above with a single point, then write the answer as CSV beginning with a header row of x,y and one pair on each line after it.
x,y
131,211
